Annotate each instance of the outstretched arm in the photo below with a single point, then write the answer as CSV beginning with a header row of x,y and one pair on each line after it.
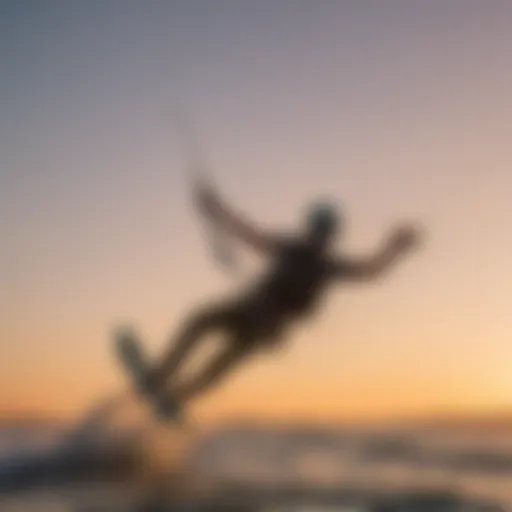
x,y
367,269
211,205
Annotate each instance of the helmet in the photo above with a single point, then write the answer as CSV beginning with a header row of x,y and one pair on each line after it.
x,y
323,217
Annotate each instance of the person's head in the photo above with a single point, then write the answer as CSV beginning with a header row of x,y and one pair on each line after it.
x,y
323,222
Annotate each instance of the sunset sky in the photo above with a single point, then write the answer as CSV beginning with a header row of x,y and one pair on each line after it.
x,y
398,109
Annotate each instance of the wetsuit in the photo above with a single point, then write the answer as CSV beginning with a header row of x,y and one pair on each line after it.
x,y
291,289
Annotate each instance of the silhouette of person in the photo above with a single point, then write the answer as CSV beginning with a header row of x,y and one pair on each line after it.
x,y
301,267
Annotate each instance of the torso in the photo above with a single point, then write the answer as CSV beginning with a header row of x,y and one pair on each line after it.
x,y
297,278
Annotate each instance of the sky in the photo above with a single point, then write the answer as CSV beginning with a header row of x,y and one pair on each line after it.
x,y
398,110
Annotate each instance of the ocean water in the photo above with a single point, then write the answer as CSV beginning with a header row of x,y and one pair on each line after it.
x,y
475,464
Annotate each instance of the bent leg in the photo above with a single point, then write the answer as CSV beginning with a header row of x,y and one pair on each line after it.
x,y
199,324
257,326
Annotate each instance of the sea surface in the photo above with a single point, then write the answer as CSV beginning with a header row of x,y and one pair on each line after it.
x,y
474,464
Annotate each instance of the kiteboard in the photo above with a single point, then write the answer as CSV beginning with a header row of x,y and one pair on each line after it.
x,y
130,354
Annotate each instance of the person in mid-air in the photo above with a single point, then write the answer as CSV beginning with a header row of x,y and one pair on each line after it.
x,y
301,267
